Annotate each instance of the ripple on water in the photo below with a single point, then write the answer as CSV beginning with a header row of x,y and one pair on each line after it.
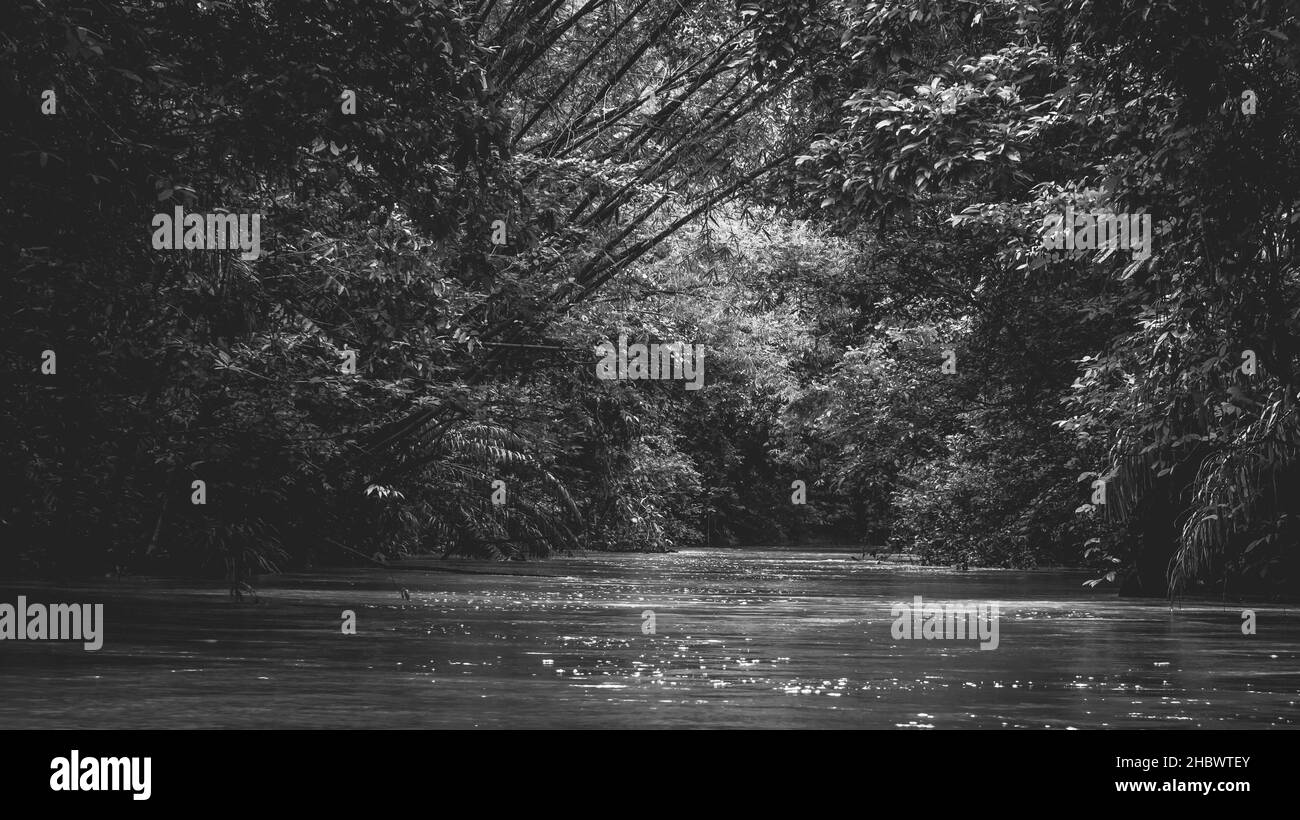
x,y
763,638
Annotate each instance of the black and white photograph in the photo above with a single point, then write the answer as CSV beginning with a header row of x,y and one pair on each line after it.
x,y
923,367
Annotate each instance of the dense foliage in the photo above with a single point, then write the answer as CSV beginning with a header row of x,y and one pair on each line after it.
x,y
842,201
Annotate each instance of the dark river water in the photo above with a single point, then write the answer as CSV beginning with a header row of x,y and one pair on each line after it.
x,y
753,638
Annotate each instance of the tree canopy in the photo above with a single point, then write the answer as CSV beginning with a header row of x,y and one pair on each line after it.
x,y
845,203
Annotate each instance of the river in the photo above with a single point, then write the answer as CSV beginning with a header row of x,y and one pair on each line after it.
x,y
764,638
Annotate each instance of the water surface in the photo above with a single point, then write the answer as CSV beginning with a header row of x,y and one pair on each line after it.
x,y
743,638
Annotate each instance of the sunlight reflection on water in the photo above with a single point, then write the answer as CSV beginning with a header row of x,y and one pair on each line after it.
x,y
756,638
